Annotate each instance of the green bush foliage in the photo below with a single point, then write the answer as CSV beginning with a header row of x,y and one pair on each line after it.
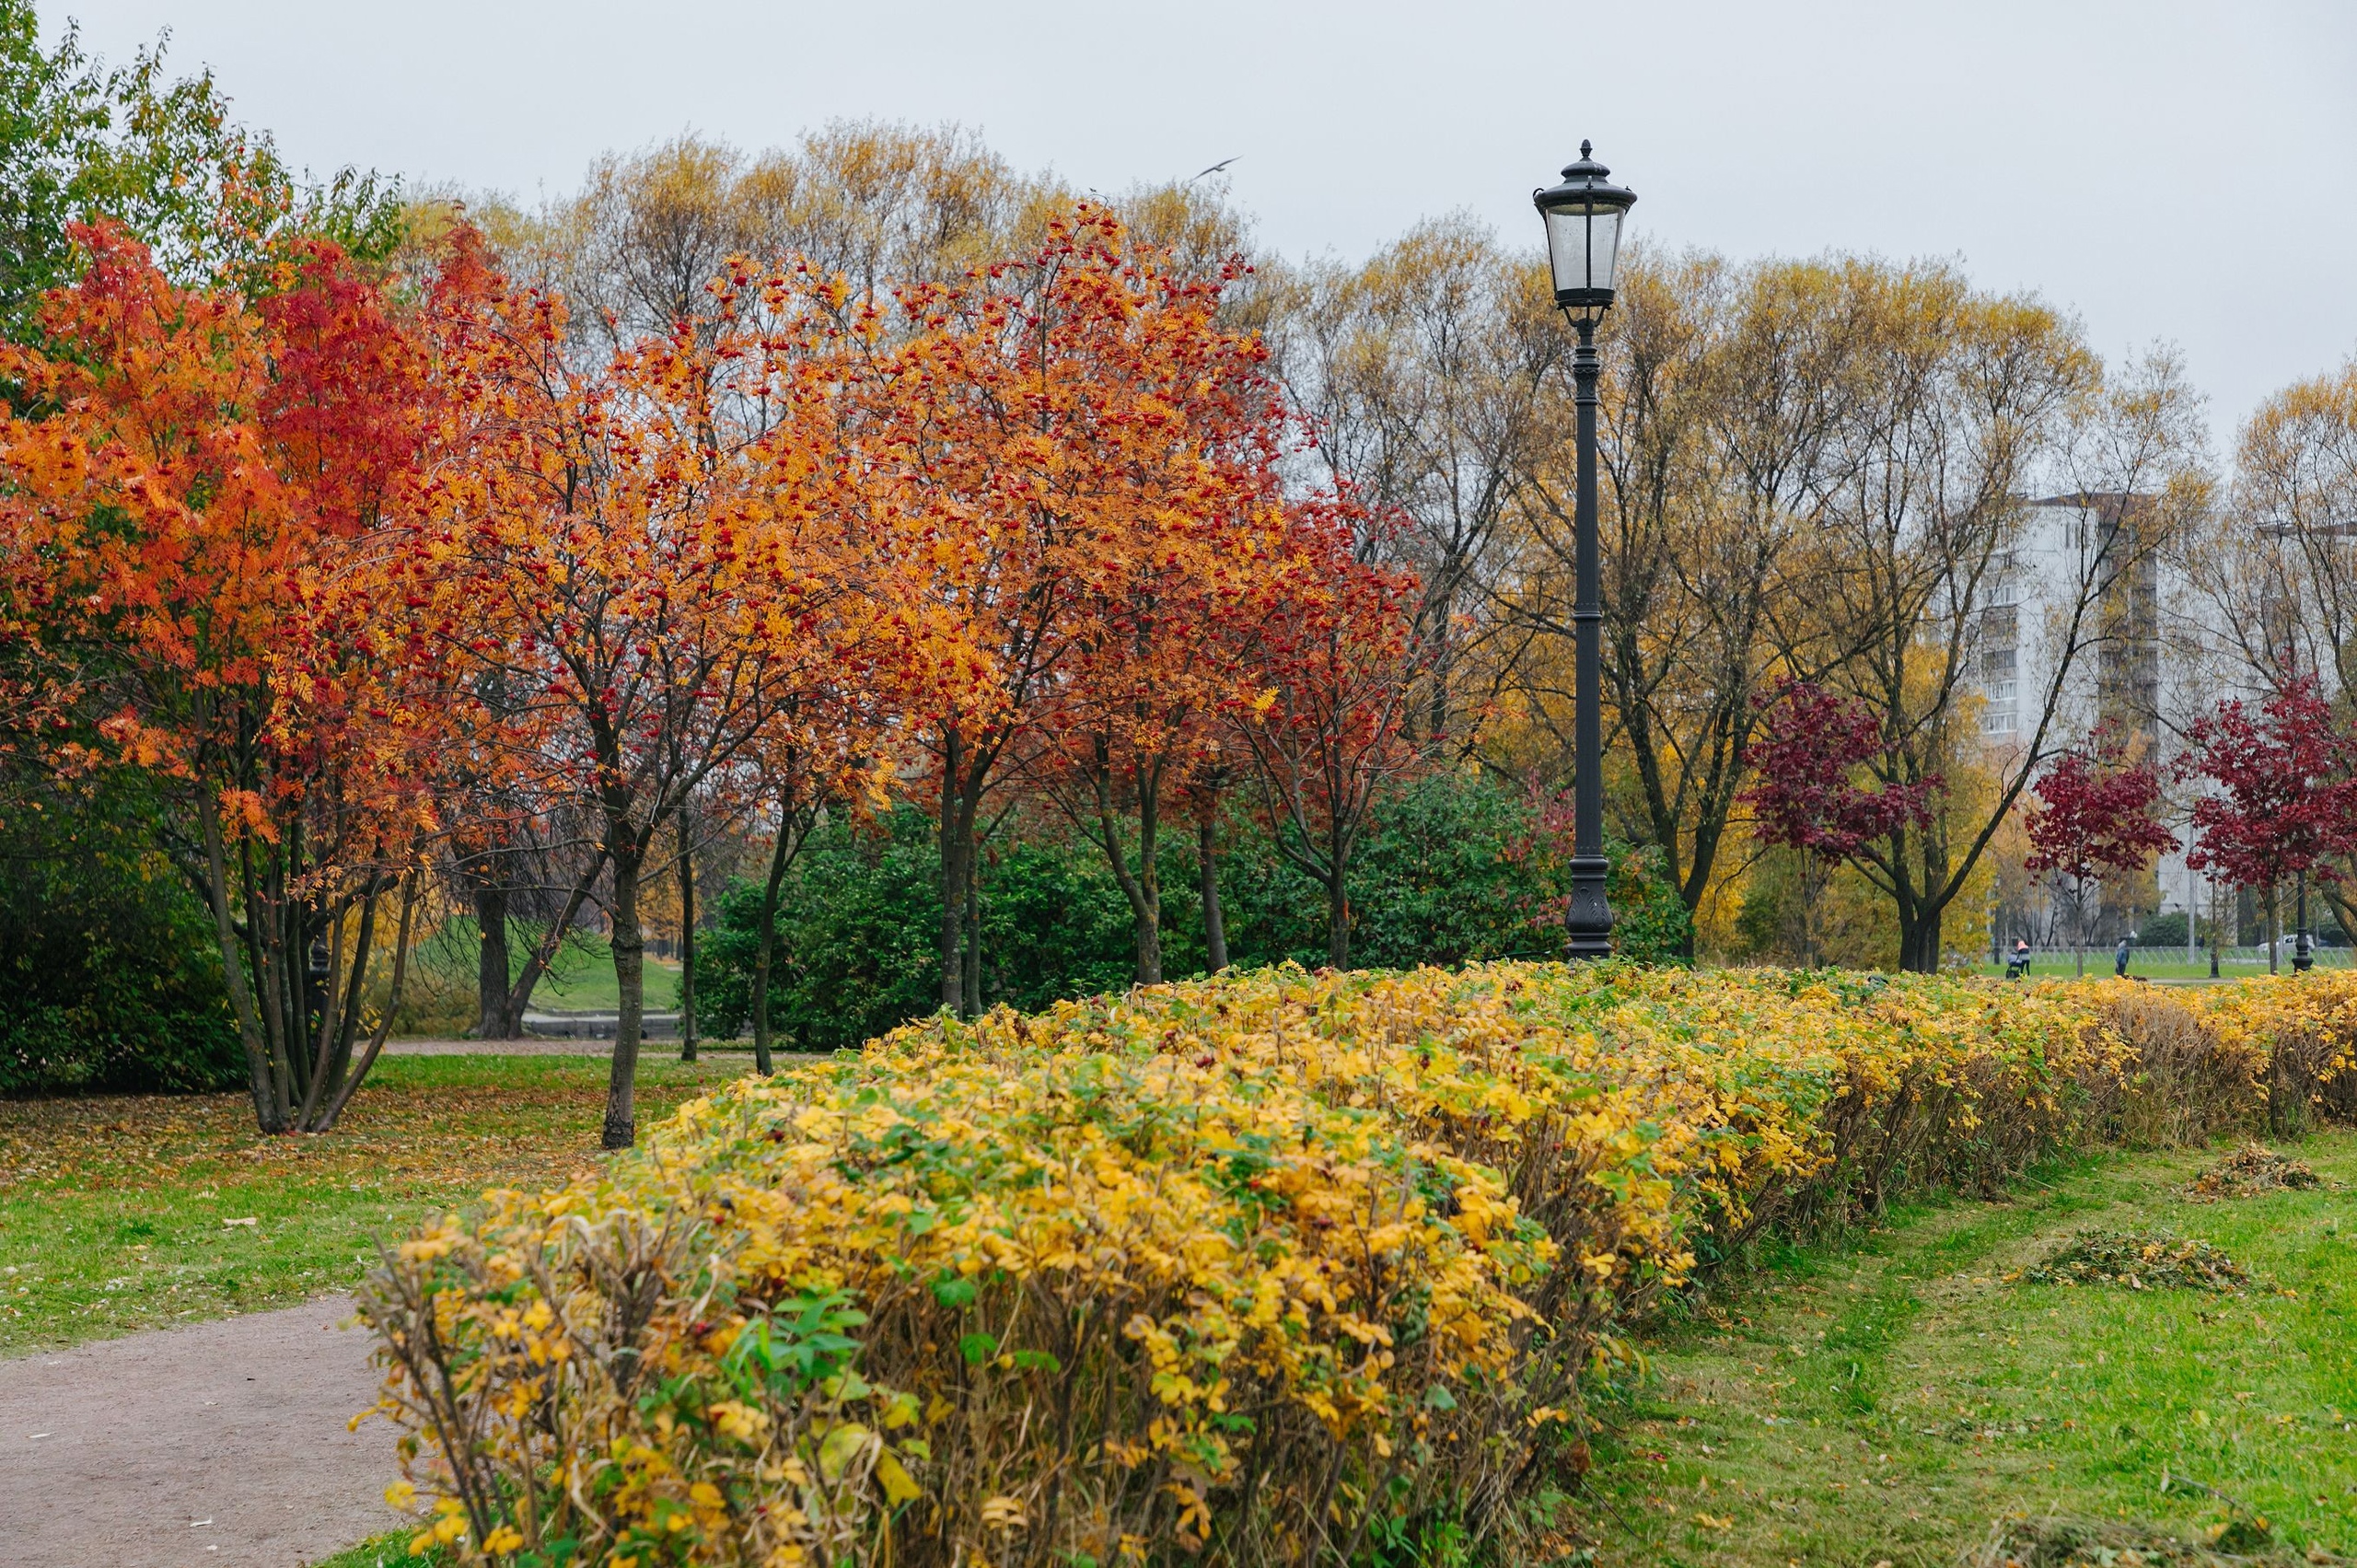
x,y
109,977
1458,868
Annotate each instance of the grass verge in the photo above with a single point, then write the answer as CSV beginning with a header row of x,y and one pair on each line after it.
x,y
384,1552
123,1213
1884,1403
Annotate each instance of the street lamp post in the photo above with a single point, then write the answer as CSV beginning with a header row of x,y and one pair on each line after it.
x,y
1583,215
2302,952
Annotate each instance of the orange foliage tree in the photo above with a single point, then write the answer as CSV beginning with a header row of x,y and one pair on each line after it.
x,y
1197,433
638,553
192,549
1068,465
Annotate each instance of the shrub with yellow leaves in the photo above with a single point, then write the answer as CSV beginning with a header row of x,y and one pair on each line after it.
x,y
1247,1269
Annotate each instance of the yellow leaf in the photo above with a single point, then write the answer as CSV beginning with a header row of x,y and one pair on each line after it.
x,y
899,1485
839,1447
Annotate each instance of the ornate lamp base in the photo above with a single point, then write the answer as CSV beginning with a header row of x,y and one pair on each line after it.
x,y
1587,925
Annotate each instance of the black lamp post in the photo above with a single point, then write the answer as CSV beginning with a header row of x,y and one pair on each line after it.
x,y
1583,218
2303,956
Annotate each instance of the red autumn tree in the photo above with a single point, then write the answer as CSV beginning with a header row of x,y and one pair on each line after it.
x,y
1340,671
194,539
1806,794
2284,803
2098,816
1145,697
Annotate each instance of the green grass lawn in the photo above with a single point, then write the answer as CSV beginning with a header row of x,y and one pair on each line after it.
x,y
1884,1403
440,993
121,1212
585,982
384,1552
2156,963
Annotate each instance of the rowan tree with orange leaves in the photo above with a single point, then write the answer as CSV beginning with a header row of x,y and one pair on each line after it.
x,y
1204,533
1066,457
1333,729
192,544
636,551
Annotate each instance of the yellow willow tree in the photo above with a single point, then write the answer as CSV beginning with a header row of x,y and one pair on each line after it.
x,y
1973,405
2279,567
1424,374
634,552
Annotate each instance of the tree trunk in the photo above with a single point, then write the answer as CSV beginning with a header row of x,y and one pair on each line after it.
x,y
2274,934
493,1019
1812,890
352,1079
971,957
779,855
1214,928
1919,941
2217,930
630,979
1338,921
233,963
2079,932
536,962
1141,888
956,843
687,937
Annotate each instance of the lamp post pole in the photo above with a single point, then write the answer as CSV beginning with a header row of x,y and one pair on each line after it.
x,y
1588,921
2303,956
1583,216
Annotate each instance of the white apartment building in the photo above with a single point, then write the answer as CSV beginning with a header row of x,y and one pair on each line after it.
x,y
2080,554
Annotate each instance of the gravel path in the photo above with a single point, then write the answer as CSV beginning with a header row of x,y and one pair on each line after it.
x,y
218,1443
499,1048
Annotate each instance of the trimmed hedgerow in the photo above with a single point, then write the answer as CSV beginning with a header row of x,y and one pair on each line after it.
x,y
1271,1268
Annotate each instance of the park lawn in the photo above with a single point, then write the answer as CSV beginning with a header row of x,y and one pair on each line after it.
x,y
116,1211
2159,964
579,979
585,982
1884,1401
382,1551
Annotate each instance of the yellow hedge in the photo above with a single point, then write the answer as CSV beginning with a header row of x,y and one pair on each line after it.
x,y
1248,1270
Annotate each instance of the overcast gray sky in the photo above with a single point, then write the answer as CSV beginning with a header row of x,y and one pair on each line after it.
x,y
2169,171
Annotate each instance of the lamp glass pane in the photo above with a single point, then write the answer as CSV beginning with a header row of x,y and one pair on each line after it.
x,y
1567,245
1583,243
1603,246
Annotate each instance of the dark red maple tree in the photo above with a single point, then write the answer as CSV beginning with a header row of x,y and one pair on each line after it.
x,y
2098,816
2284,804
1807,795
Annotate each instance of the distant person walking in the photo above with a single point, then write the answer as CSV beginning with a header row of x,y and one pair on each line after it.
x,y
2018,964
2119,957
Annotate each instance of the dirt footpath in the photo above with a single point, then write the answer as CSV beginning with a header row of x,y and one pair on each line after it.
x,y
499,1048
218,1443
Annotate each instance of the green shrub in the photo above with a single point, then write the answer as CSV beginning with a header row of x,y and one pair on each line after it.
x,y
1457,868
109,974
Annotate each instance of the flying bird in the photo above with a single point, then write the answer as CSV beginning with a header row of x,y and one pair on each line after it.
x,y
1213,168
